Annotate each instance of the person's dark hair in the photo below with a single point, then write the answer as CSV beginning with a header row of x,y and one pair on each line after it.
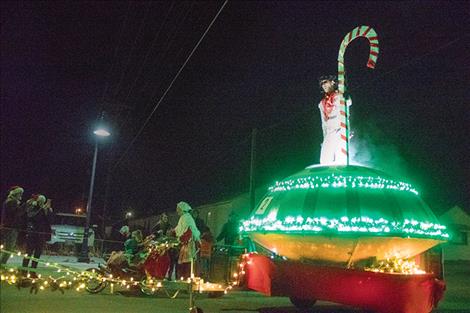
x,y
332,78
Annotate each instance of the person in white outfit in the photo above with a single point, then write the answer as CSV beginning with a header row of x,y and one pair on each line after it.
x,y
331,122
188,235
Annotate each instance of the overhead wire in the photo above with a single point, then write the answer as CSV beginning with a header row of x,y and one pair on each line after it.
x,y
163,56
154,41
170,38
208,169
413,60
274,125
134,44
116,49
302,113
123,123
171,83
164,52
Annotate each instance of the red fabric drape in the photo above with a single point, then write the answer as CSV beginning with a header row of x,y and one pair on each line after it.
x,y
157,264
380,292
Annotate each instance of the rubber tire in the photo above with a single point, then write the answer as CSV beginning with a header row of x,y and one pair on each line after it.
x,y
215,294
302,303
100,287
145,290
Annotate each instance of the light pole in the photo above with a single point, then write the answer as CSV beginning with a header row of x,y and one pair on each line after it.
x,y
83,257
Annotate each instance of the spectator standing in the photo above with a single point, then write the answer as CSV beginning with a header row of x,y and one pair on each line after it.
x,y
205,253
38,229
230,230
11,221
200,224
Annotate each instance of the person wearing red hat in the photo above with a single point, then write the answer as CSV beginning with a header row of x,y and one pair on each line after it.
x,y
10,221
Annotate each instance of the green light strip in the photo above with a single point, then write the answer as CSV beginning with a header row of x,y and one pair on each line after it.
x,y
340,181
364,225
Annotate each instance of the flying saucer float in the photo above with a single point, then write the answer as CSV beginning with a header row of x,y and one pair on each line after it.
x,y
343,214
327,227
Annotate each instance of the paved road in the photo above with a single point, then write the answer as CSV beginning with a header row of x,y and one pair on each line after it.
x,y
12,300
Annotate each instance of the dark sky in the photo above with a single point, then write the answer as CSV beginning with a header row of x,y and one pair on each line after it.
x,y
63,62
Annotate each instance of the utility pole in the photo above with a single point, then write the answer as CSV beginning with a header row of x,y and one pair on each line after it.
x,y
252,169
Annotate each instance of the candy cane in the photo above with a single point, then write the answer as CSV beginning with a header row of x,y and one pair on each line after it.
x,y
371,35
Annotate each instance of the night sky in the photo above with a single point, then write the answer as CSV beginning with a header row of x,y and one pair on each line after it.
x,y
64,62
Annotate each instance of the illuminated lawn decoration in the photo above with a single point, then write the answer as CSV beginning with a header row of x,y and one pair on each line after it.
x,y
356,225
335,181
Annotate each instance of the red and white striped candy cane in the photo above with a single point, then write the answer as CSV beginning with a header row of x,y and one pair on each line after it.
x,y
371,35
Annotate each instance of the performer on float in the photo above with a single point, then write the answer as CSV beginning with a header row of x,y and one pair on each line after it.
x,y
188,235
331,153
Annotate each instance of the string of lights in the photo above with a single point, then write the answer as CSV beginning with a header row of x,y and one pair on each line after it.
x,y
68,279
346,225
340,181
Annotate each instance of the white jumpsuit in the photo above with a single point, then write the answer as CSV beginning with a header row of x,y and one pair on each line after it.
x,y
331,124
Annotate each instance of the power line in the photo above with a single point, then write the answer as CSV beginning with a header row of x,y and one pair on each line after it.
x,y
116,49
302,113
154,41
413,60
164,54
125,121
116,90
171,84
122,106
224,154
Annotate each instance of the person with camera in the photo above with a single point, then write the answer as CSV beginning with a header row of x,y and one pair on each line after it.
x,y
38,229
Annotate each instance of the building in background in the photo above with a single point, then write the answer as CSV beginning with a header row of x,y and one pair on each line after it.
x,y
458,223
214,214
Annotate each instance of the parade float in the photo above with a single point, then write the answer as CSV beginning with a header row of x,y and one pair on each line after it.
x,y
346,233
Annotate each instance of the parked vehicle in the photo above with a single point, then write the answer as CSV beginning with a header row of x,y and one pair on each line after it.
x,y
68,229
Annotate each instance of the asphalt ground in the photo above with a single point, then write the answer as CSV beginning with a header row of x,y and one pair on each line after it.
x,y
14,300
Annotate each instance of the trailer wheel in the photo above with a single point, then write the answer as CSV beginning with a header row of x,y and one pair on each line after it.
x,y
302,303
196,309
215,294
145,289
94,284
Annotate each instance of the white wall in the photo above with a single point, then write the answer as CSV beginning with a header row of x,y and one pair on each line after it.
x,y
458,223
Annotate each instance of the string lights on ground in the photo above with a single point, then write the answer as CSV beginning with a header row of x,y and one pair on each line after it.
x,y
70,279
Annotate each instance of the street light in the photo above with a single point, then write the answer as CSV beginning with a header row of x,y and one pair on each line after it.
x,y
83,257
